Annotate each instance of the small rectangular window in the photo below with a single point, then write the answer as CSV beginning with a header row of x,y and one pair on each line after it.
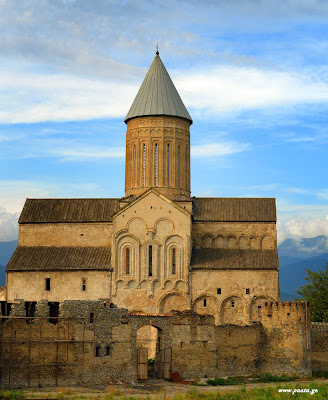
x,y
218,290
247,291
48,284
84,284
205,304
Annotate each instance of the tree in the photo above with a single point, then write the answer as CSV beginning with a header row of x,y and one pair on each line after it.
x,y
316,291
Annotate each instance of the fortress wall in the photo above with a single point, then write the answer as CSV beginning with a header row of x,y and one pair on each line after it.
x,y
287,337
319,346
95,343
70,234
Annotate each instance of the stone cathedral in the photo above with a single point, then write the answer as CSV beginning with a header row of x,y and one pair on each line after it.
x,y
157,248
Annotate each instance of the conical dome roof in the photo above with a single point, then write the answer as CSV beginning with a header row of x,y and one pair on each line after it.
x,y
157,95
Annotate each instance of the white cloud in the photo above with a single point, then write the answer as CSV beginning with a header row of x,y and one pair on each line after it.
x,y
297,228
8,225
213,91
15,192
230,89
218,149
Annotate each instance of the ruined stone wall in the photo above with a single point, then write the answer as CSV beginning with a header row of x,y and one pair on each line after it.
x,y
93,343
319,346
70,234
90,344
200,349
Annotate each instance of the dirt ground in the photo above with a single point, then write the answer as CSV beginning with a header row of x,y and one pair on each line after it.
x,y
152,388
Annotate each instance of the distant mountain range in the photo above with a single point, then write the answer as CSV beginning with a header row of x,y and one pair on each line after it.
x,y
6,251
294,257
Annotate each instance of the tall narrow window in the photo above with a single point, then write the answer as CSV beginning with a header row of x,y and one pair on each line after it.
x,y
173,261
168,165
47,284
179,166
127,261
156,162
143,164
150,261
134,166
84,284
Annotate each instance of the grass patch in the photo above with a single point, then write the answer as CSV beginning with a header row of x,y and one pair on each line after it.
x,y
11,395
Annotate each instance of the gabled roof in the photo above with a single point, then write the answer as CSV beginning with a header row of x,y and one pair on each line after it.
x,y
234,259
157,95
46,258
218,209
213,209
68,210
164,198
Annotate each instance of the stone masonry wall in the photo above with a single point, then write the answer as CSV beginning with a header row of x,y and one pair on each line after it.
x,y
287,338
319,346
96,343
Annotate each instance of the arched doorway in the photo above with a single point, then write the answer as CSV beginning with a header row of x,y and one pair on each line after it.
x,y
148,337
148,347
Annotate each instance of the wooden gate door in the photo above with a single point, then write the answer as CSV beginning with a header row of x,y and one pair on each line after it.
x,y
143,363
165,363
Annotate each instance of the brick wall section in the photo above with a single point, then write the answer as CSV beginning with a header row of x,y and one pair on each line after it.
x,y
319,342
46,354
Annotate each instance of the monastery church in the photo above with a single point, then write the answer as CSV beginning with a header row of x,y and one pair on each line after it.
x,y
157,248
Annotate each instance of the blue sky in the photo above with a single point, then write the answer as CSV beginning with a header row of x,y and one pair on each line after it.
x,y
253,75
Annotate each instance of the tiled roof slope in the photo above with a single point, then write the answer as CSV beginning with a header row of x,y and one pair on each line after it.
x,y
68,210
234,259
157,95
59,258
234,209
102,210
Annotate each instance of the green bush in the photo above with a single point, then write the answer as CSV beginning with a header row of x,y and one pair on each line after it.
x,y
266,377
321,374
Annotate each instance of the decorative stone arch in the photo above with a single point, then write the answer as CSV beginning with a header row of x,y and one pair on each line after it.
x,y
120,284
255,305
137,227
206,304
219,242
232,310
180,285
131,242
168,285
174,242
253,243
267,242
131,284
232,242
173,301
208,241
160,226
243,242
143,285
